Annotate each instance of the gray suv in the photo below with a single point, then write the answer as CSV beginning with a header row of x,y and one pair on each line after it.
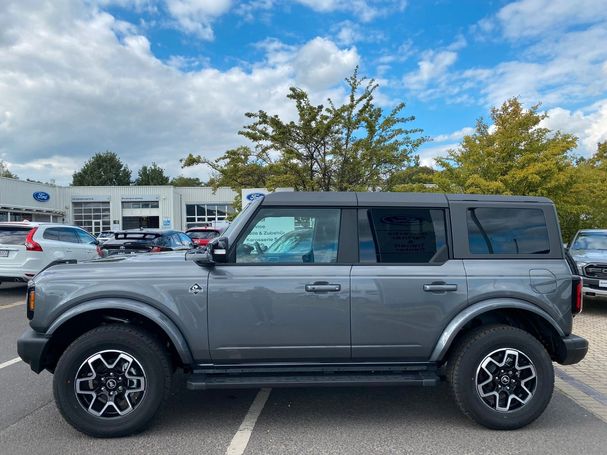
x,y
320,289
589,250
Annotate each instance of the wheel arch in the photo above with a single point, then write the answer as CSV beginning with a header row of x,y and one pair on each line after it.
x,y
505,311
88,315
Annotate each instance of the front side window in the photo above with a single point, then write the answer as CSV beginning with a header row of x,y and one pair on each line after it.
x,y
403,235
493,230
291,236
85,237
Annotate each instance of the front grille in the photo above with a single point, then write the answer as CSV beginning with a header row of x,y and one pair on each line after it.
x,y
596,270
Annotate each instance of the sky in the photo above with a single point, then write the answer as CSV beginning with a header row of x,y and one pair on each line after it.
x,y
154,80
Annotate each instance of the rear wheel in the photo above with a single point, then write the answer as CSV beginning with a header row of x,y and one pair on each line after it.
x,y
112,381
501,377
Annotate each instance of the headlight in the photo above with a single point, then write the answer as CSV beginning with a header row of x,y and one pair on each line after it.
x,y
580,267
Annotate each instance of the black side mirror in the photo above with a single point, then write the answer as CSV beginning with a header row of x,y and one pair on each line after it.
x,y
200,256
219,249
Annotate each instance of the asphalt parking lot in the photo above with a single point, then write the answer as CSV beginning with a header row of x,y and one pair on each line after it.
x,y
296,421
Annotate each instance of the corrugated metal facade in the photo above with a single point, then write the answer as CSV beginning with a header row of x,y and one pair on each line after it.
x,y
17,195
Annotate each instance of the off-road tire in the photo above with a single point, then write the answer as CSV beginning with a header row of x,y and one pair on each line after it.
x,y
139,344
466,359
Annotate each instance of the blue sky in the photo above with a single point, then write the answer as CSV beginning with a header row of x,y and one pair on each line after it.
x,y
154,80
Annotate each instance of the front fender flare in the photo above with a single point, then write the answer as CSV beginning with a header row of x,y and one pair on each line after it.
x,y
143,309
461,319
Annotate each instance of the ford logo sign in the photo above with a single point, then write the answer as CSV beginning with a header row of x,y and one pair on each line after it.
x,y
253,196
41,196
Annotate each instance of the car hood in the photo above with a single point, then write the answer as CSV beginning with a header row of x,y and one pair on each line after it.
x,y
589,255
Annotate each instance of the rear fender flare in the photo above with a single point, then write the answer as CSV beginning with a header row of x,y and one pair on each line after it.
x,y
461,319
143,309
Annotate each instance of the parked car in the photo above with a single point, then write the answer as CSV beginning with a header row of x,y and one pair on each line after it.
x,y
589,250
147,241
26,248
104,236
201,236
381,289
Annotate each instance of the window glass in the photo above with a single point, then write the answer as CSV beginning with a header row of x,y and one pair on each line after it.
x,y
51,234
291,236
85,237
203,234
406,235
590,241
185,240
68,235
493,230
13,235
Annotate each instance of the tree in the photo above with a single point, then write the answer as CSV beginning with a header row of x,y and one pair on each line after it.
x,y
103,169
515,156
185,181
354,146
5,172
416,178
151,175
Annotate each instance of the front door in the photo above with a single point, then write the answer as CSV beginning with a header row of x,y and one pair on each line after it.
x,y
406,287
284,297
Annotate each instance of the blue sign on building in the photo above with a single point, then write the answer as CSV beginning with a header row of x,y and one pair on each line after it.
x,y
41,196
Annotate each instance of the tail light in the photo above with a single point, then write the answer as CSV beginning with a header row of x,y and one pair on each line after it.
x,y
156,249
576,299
30,244
99,251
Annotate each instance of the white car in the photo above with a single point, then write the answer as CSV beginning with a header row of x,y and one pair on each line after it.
x,y
26,248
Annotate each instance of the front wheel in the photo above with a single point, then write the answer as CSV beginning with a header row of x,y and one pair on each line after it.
x,y
112,381
501,377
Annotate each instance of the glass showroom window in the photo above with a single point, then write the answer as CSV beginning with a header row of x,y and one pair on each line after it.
x,y
92,216
201,214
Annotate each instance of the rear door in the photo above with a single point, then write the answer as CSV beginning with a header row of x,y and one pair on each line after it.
x,y
406,285
285,294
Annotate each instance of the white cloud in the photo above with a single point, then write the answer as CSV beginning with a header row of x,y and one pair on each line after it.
x,y
429,153
432,68
365,10
527,18
454,136
71,85
320,63
588,124
196,16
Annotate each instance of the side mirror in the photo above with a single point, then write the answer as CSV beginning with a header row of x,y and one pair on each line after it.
x,y
219,249
200,256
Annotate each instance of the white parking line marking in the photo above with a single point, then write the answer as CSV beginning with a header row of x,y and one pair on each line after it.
x,y
9,362
10,305
241,438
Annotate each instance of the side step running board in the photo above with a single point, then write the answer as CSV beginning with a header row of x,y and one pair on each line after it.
x,y
212,381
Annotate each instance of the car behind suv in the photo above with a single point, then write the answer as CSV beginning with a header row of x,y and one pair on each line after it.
x,y
146,241
358,289
26,248
589,250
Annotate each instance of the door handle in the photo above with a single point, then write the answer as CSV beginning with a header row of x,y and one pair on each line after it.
x,y
440,287
323,286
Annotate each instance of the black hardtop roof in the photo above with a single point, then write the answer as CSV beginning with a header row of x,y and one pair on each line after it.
x,y
354,199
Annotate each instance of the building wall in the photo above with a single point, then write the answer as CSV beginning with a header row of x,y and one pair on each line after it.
x,y
17,195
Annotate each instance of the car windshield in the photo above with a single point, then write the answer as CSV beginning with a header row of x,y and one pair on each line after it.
x,y
202,234
590,241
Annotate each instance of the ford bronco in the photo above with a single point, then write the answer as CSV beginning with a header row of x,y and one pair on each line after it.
x,y
320,289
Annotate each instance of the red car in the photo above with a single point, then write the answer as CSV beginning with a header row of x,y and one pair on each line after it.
x,y
201,236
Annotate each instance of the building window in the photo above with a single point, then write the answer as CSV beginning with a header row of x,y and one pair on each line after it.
x,y
141,205
205,214
93,217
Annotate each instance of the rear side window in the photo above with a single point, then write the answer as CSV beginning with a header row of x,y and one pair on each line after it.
x,y
68,235
51,234
13,235
403,235
493,230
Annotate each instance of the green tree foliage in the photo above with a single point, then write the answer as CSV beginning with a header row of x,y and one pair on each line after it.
x,y
353,146
182,180
5,172
151,175
416,178
103,169
515,156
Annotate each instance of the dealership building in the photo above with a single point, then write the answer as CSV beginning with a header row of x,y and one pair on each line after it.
x,y
101,208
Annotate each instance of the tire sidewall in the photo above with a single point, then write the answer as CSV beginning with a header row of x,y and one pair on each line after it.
x,y
85,347
478,409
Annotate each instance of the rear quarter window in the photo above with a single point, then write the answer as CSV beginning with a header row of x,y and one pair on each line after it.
x,y
512,231
13,235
